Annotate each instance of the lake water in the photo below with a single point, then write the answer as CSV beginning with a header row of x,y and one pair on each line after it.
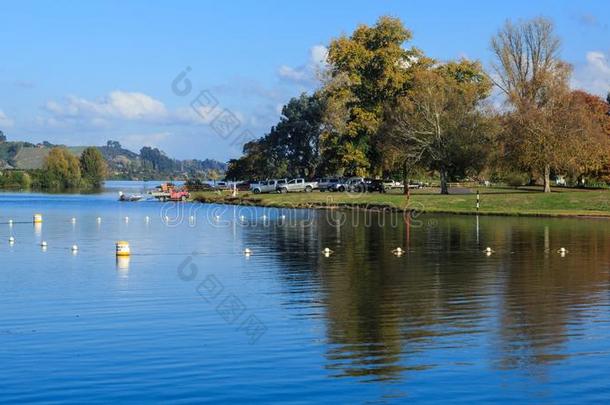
x,y
189,318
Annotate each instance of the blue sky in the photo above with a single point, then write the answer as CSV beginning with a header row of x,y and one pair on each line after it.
x,y
85,72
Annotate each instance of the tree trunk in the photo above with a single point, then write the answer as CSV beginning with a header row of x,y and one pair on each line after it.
x,y
547,179
405,179
444,186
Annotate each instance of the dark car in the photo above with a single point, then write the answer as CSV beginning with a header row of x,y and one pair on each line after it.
x,y
378,185
243,186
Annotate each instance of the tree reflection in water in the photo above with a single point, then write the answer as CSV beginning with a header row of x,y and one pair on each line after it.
x,y
387,315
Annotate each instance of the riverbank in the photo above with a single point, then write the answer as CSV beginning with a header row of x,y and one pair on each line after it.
x,y
493,201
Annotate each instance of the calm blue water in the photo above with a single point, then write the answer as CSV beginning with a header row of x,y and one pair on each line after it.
x,y
189,318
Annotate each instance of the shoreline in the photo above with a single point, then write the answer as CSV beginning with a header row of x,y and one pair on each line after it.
x,y
380,207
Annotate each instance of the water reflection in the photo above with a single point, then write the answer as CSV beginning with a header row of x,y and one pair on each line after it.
x,y
386,315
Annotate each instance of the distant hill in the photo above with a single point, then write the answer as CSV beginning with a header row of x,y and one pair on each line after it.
x,y
150,163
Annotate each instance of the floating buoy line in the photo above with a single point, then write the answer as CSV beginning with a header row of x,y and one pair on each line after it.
x,y
122,248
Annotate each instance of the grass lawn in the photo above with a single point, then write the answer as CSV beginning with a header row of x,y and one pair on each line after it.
x,y
504,201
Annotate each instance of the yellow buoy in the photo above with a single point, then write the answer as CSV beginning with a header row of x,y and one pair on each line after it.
x,y
37,218
122,248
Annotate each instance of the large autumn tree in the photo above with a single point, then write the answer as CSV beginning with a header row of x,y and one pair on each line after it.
x,y
61,169
366,70
594,153
441,123
545,125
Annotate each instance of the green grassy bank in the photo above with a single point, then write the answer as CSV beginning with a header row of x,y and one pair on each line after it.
x,y
494,201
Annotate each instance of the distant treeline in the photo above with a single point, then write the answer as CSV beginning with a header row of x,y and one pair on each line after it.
x,y
62,170
24,164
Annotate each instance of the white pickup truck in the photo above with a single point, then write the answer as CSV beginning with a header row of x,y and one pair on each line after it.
x,y
267,186
297,185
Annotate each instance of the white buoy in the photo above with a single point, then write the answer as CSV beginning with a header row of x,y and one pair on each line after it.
x,y
217,217
166,218
327,252
10,222
283,216
43,244
264,217
73,220
126,219
11,240
488,250
74,248
147,218
562,251
242,218
37,218
398,251
99,220
192,218
247,251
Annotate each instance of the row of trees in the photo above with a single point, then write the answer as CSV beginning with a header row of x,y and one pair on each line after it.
x,y
63,170
385,109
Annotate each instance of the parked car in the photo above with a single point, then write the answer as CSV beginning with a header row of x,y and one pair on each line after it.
x,y
267,186
243,186
336,184
324,183
379,185
297,185
169,192
221,185
416,184
357,184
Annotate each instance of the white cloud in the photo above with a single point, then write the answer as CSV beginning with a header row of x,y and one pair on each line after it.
x,y
307,73
5,121
118,104
594,76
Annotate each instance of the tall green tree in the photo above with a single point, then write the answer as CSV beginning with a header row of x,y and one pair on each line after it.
x,y
366,70
93,167
441,122
290,149
61,169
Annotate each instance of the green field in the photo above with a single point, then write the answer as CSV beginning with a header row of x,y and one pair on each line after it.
x,y
494,201
33,158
